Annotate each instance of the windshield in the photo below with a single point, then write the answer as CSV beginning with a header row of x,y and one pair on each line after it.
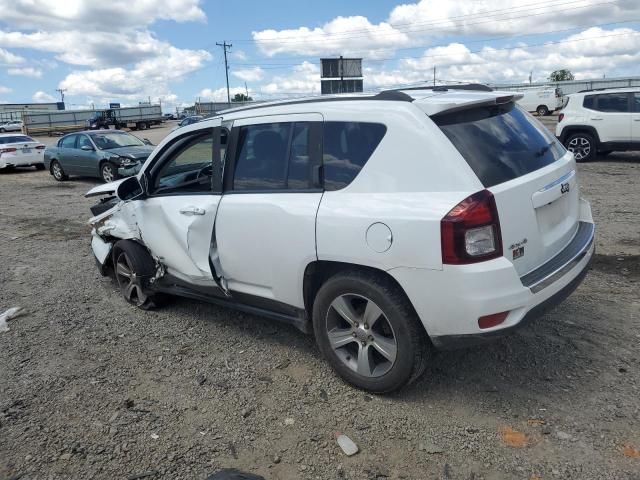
x,y
107,141
500,143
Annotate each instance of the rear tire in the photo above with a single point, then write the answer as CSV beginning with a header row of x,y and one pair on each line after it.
x,y
383,346
58,172
582,145
108,172
134,267
542,110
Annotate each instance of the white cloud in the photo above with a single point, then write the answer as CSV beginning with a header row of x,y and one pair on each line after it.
x,y
43,97
4,90
114,15
254,74
25,72
303,79
8,58
335,37
238,55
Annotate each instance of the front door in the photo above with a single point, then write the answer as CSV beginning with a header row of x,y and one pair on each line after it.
x,y
184,189
265,230
87,159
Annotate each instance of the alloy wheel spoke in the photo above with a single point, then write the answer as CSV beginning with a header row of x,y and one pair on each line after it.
x,y
363,366
129,290
123,270
385,346
345,310
371,314
339,337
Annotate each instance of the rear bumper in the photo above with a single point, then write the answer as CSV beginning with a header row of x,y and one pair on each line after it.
x,y
450,301
21,161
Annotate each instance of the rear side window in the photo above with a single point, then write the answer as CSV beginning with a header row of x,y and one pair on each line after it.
x,y
613,102
500,143
16,139
346,148
274,156
589,102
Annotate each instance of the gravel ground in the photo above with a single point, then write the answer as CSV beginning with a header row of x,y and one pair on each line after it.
x,y
91,387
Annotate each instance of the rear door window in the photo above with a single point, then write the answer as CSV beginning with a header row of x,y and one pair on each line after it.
x,y
346,148
612,102
500,143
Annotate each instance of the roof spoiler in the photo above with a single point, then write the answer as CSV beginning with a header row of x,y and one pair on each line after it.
x,y
435,109
478,87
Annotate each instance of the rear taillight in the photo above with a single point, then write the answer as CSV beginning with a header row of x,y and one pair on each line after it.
x,y
8,150
470,232
40,147
560,117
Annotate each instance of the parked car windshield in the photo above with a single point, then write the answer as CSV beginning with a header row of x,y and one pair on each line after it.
x,y
500,143
107,141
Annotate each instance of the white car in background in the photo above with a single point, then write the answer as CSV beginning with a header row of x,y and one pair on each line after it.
x,y
11,126
20,151
388,224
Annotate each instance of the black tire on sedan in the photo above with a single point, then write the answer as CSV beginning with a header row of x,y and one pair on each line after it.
x,y
58,172
582,145
108,172
369,332
134,267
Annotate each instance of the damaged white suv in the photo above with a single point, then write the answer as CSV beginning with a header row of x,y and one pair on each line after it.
x,y
387,224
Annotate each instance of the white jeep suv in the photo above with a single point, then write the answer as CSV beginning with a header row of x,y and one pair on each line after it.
x,y
386,224
600,121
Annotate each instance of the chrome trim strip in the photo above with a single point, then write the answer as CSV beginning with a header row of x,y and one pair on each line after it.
x,y
567,176
540,284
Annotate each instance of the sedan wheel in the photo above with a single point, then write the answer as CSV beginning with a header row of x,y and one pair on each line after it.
x,y
57,172
108,172
129,281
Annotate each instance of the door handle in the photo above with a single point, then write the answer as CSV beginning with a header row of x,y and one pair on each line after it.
x,y
636,119
192,211
596,118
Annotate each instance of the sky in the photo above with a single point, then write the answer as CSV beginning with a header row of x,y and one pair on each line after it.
x,y
132,50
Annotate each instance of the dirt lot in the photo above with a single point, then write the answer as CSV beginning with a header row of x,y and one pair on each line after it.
x,y
91,387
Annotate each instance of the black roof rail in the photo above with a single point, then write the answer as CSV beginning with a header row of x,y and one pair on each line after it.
x,y
479,87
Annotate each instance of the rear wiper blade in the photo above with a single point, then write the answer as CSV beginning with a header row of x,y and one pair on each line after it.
x,y
545,149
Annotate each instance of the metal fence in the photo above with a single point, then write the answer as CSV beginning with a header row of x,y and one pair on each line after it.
x,y
55,121
574,86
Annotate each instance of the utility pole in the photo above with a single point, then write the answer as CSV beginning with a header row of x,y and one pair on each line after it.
x,y
247,92
530,76
226,46
61,92
434,75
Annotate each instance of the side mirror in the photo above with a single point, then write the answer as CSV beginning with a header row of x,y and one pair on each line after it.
x,y
130,189
147,141
86,148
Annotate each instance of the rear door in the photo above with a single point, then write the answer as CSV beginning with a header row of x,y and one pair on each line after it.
x,y
635,119
265,230
611,116
68,155
530,174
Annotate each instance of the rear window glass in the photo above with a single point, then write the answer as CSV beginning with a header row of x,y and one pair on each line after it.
x,y
589,102
500,143
16,139
346,148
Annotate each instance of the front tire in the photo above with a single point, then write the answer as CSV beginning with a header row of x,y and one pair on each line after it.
x,y
108,172
134,267
58,172
542,110
582,145
368,331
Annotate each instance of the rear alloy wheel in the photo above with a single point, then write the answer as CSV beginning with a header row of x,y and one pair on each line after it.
x,y
582,146
134,267
369,333
108,172
58,172
542,110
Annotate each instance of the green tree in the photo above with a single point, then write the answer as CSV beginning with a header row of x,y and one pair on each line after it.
x,y
241,97
561,76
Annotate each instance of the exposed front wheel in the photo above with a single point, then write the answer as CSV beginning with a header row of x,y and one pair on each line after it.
x,y
108,172
58,172
369,333
134,268
542,110
582,145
